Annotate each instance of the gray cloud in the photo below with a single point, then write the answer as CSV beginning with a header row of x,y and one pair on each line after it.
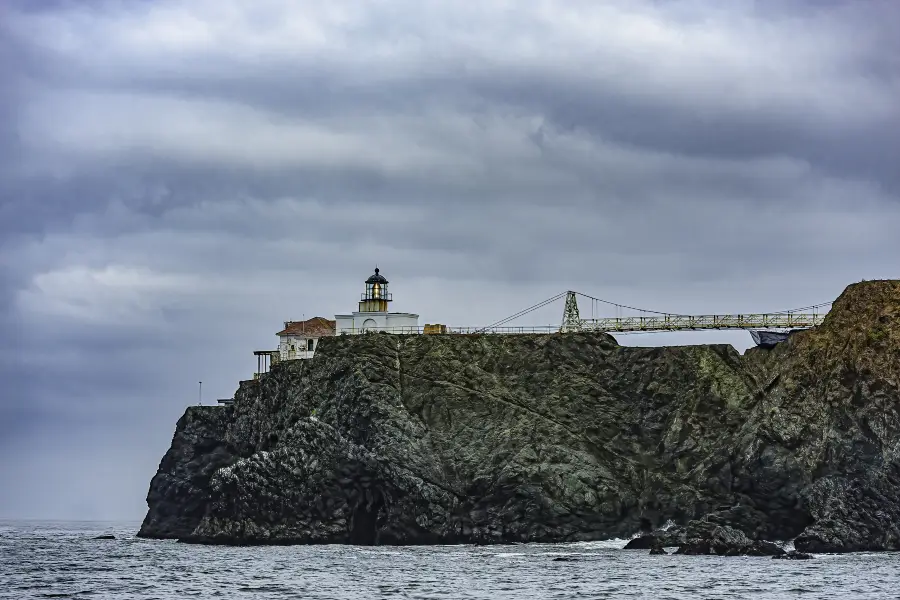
x,y
176,180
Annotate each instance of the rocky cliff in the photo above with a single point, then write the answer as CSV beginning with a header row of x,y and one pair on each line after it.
x,y
490,438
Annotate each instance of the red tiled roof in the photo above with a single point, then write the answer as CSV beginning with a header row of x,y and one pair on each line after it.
x,y
315,327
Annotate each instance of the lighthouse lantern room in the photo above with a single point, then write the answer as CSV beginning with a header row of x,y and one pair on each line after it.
x,y
376,296
373,312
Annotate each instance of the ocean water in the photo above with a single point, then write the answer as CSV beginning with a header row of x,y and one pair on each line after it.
x,y
61,560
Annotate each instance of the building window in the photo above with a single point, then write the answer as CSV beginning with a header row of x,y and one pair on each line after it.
x,y
309,345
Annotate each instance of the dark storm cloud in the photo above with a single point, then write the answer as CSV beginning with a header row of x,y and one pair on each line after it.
x,y
177,179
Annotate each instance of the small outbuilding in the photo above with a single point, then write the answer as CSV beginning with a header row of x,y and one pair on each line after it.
x,y
299,339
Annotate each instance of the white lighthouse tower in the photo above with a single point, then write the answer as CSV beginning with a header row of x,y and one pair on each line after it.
x,y
373,312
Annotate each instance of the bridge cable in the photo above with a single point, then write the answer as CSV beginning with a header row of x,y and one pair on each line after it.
x,y
522,312
525,311
616,304
793,310
645,310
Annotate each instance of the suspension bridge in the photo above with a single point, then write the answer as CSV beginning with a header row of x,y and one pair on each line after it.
x,y
630,319
650,320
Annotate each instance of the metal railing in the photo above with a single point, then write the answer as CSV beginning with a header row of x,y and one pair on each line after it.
x,y
695,322
607,325
623,324
452,330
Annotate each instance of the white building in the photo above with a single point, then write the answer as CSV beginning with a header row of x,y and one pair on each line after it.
x,y
299,339
373,312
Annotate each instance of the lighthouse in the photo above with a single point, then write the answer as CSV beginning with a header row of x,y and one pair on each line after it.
x,y
373,314
376,296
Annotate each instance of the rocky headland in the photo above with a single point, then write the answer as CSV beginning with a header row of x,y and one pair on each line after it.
x,y
423,439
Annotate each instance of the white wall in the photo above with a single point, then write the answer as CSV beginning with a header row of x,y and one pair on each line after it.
x,y
376,321
299,350
402,320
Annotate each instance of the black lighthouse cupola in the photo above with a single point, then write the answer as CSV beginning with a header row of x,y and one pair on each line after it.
x,y
376,296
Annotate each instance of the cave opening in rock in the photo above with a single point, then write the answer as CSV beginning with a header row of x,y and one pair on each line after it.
x,y
364,524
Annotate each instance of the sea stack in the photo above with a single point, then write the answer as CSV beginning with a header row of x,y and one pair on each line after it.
x,y
488,438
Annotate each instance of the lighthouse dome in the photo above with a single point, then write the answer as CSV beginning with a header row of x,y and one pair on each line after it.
x,y
376,278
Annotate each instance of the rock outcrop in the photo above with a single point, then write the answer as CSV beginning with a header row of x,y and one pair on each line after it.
x,y
566,437
794,555
179,492
726,541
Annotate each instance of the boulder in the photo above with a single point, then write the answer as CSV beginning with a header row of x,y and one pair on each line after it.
x,y
667,538
644,542
726,541
657,549
794,555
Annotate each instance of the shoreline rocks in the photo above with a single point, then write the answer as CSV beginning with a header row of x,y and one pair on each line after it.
x,y
727,541
794,555
657,550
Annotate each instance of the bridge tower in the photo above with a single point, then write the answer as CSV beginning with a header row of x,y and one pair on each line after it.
x,y
571,320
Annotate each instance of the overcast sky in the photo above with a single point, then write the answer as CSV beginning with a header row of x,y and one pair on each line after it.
x,y
178,178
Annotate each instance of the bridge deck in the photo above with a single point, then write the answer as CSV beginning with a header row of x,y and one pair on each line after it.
x,y
694,322
625,324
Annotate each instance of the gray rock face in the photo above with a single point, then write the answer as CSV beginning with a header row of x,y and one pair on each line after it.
x,y
491,439
858,513
179,492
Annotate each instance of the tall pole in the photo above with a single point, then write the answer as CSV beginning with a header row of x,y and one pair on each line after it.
x,y
200,394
